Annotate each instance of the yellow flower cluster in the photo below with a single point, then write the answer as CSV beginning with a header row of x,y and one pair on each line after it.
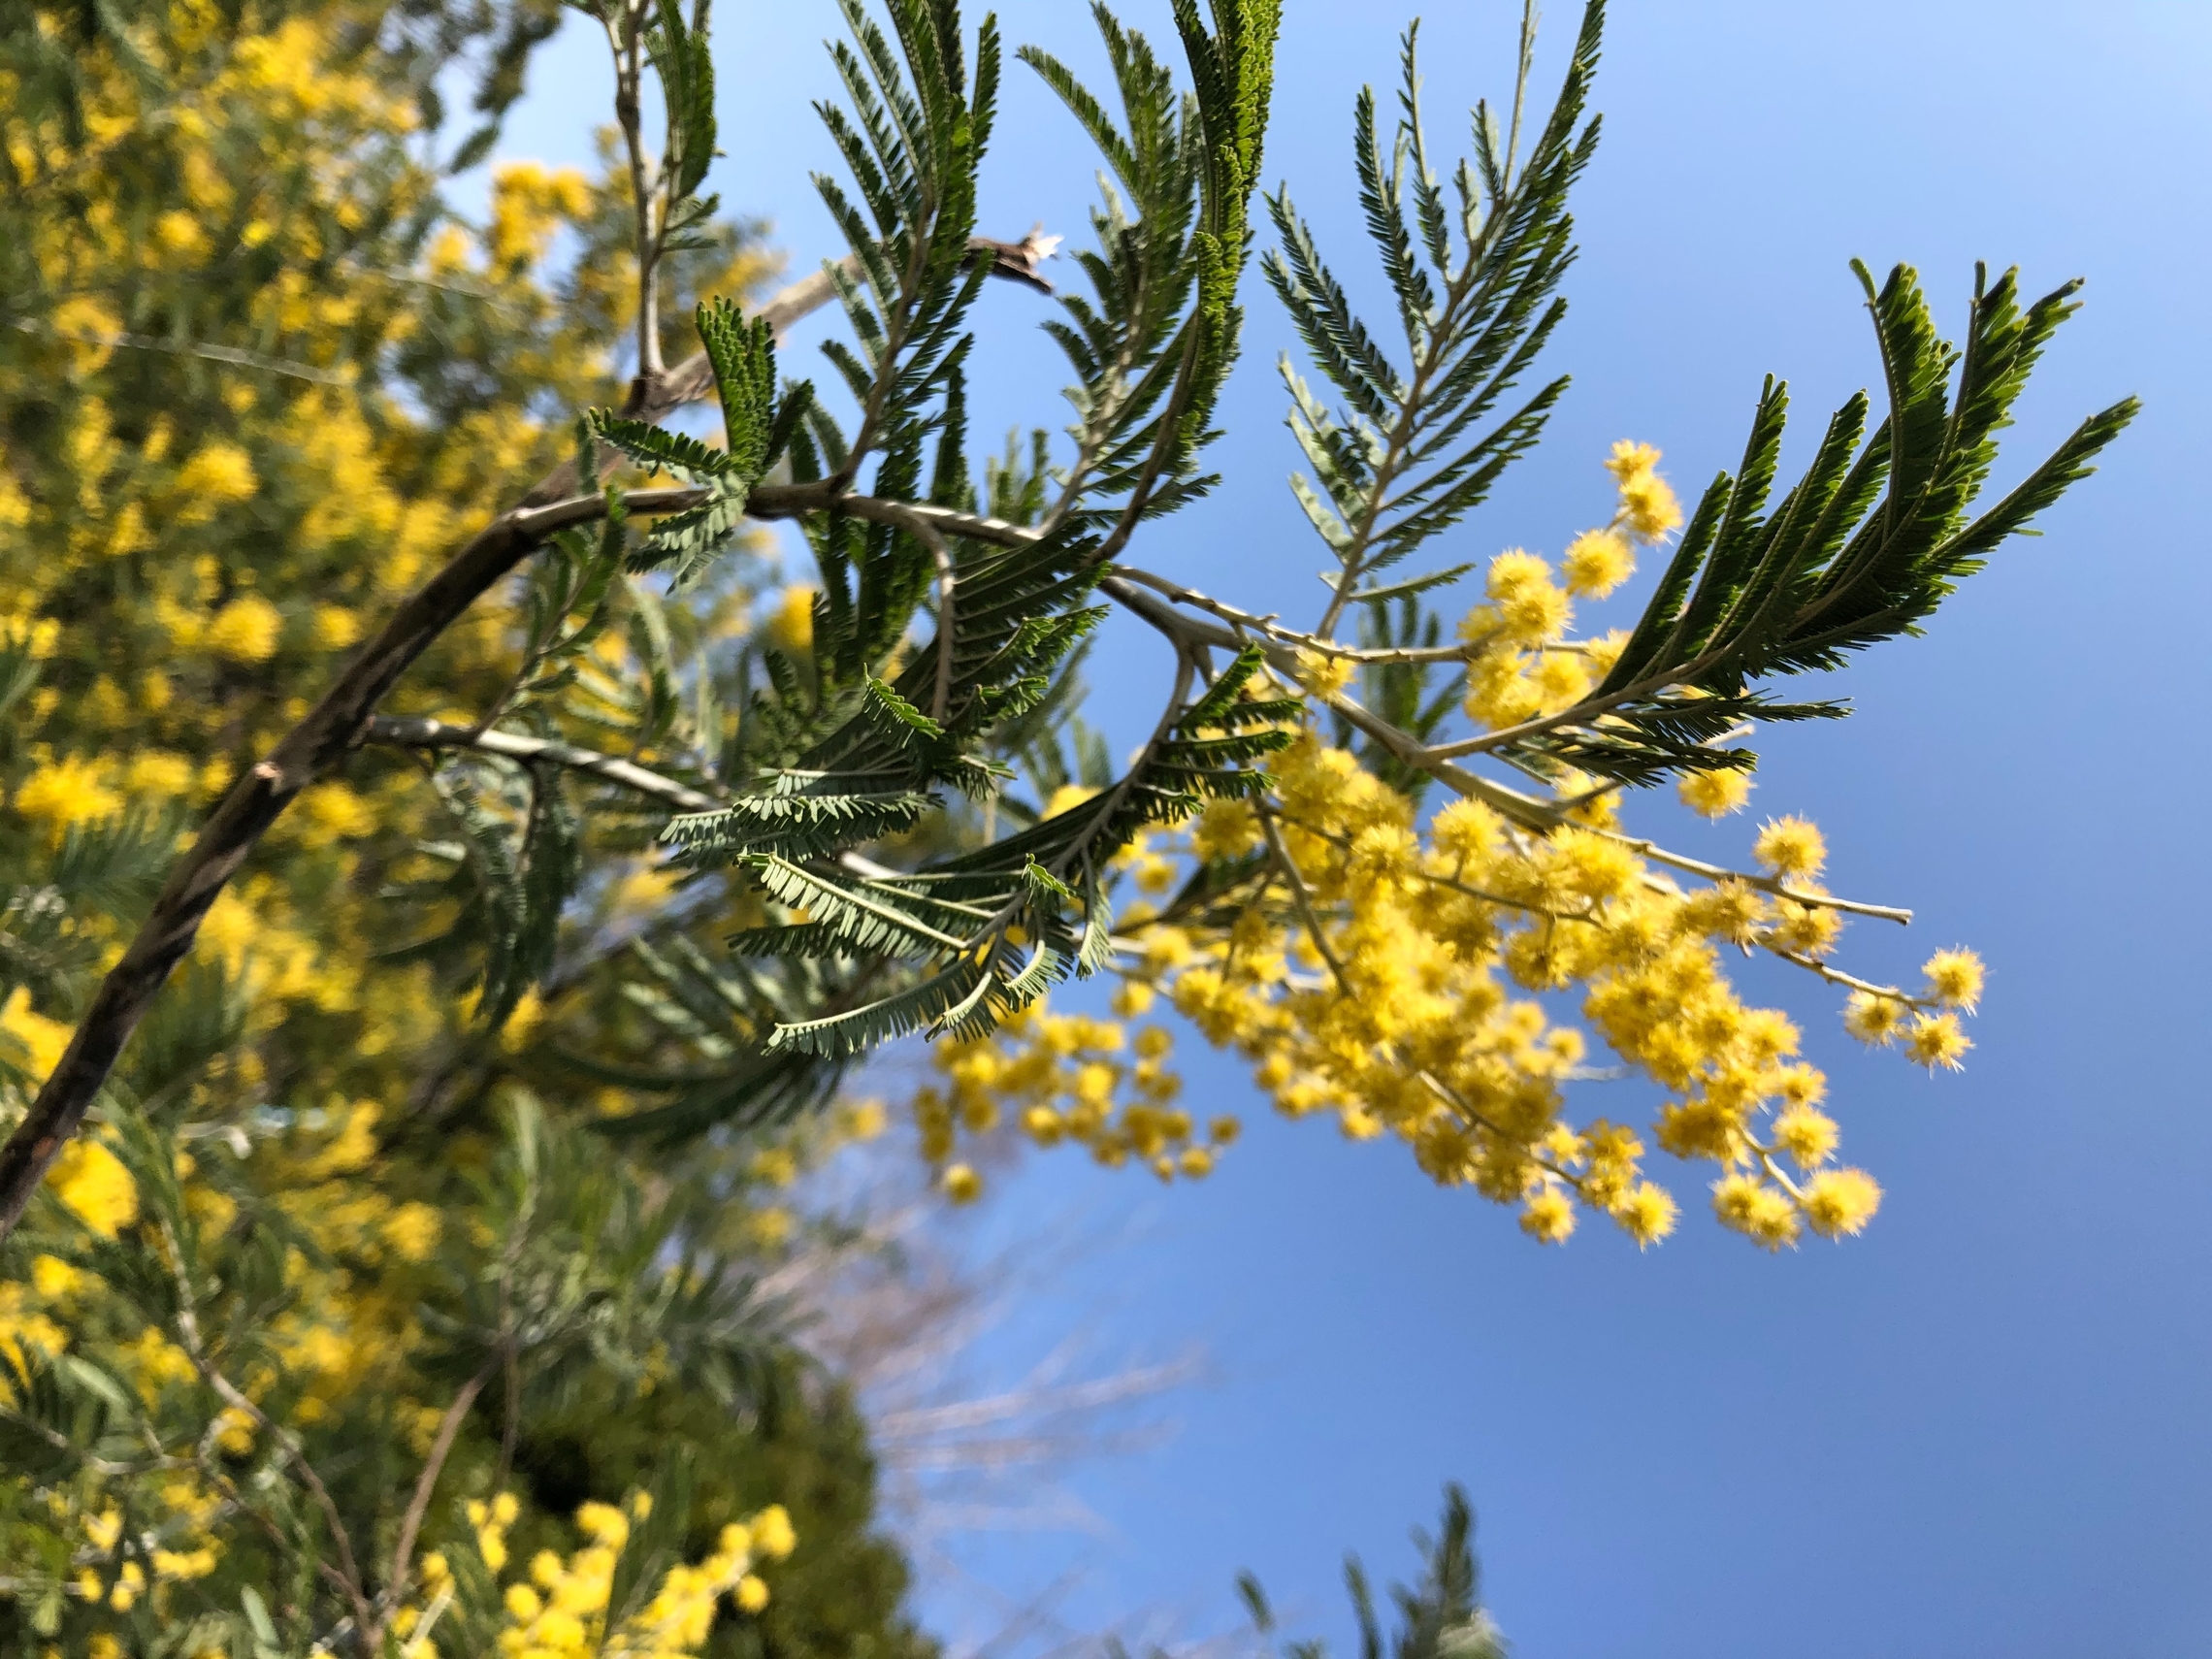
x,y
1060,1077
559,1608
188,545
1390,971
1395,1009
1525,666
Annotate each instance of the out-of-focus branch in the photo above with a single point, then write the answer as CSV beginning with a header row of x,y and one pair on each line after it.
x,y
442,735
230,354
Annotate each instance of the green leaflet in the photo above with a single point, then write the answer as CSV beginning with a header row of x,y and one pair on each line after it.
x,y
758,428
1866,544
953,921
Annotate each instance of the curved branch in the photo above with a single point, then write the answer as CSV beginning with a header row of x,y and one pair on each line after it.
x,y
231,832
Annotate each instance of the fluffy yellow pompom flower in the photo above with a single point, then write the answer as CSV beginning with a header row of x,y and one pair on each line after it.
x,y
1466,829
1648,504
412,1231
1646,1213
215,475
1955,978
1838,1202
792,625
1873,1019
335,626
963,1185
1762,1214
1067,797
95,1188
1935,1040
1807,1134
246,629
772,1533
1531,608
1791,847
43,1040
752,1594
1715,793
1597,562
1226,830
1629,458
1324,675
67,792
1548,1217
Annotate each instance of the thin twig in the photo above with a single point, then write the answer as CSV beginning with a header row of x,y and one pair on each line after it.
x,y
948,579
1314,642
1774,885
1852,982
191,348
440,734
418,1505
1302,899
346,1575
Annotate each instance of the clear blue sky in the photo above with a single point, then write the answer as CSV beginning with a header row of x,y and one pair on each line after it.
x,y
1983,1429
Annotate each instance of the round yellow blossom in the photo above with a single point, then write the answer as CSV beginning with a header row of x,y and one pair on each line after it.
x,y
1935,1040
1067,797
217,475
773,1534
1649,508
776,1167
1715,793
41,1039
1873,1019
1324,675
94,1186
246,629
1807,1134
963,1185
752,1594
1647,1213
1597,562
1226,830
1791,847
1955,979
1762,1213
412,1231
1548,1215
157,774
65,793
1133,997
791,626
335,626
1841,1202
1530,608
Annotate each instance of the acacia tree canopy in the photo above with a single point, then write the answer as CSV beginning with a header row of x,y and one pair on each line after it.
x,y
446,892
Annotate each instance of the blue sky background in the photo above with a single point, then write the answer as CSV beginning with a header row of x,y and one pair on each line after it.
x,y
1981,1429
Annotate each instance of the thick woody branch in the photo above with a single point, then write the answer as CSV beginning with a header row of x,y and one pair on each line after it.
x,y
306,753
339,721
